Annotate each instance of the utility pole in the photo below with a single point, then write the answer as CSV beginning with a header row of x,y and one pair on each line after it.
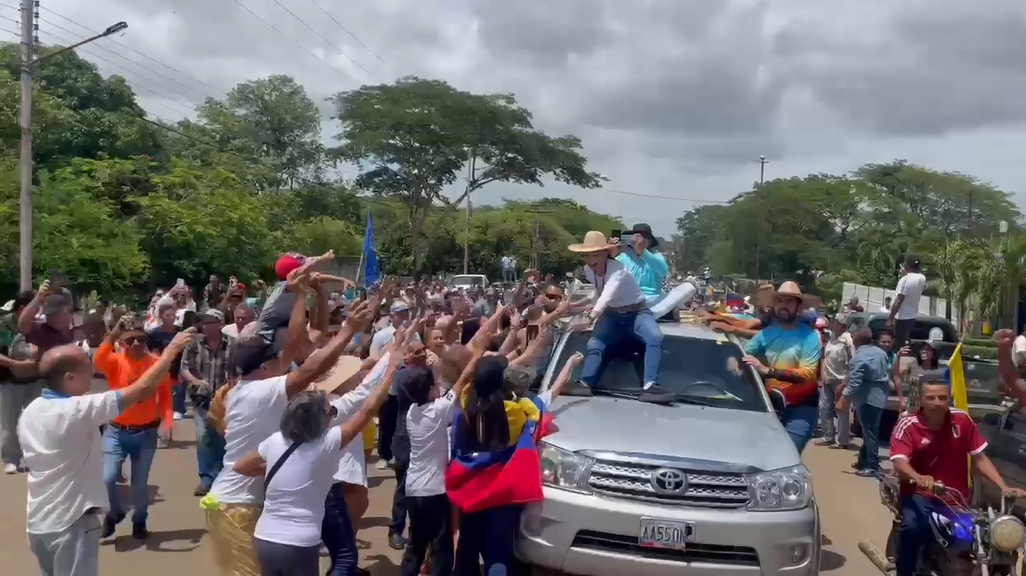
x,y
762,212
25,122
536,241
470,212
28,42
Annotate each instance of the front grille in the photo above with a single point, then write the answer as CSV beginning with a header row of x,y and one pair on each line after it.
x,y
633,480
694,552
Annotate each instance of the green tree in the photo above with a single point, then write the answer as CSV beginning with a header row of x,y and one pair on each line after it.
x,y
415,137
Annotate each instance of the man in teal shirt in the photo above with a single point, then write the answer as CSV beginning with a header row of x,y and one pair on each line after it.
x,y
650,270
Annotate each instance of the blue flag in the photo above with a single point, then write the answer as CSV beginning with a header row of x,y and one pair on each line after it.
x,y
371,268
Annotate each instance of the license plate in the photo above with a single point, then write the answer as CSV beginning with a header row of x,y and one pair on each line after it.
x,y
665,534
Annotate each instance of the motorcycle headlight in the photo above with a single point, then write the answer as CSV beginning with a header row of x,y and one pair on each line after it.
x,y
783,489
1007,533
564,469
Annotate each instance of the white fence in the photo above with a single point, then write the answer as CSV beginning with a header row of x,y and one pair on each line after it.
x,y
872,300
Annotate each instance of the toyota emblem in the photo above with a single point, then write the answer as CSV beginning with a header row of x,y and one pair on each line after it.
x,y
669,481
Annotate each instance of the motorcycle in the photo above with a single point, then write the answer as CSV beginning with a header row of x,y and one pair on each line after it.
x,y
967,541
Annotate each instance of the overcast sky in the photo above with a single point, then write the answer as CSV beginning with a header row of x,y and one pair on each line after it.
x,y
673,98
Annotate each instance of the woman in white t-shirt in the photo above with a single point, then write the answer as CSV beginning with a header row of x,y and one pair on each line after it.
x,y
298,464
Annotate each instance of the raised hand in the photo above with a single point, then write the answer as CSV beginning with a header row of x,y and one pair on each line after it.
x,y
361,314
180,342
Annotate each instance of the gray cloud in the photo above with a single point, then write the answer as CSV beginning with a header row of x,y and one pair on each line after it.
x,y
671,97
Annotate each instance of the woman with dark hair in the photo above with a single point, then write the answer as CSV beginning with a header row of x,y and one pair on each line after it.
x,y
495,468
925,368
303,456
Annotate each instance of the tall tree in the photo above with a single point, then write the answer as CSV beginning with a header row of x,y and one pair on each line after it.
x,y
415,137
271,117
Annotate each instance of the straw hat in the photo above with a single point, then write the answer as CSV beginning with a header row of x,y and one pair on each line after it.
x,y
765,295
594,241
339,374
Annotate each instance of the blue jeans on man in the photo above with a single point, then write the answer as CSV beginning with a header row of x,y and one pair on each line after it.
x,y
915,531
800,424
209,449
611,329
139,445
869,453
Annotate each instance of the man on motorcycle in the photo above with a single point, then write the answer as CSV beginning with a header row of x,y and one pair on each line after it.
x,y
930,446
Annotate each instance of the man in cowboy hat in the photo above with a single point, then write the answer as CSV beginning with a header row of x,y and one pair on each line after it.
x,y
650,269
786,354
620,312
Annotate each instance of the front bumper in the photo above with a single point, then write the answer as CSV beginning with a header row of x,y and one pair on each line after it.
x,y
593,535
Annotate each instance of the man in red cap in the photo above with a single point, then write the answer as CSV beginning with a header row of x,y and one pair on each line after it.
x,y
278,307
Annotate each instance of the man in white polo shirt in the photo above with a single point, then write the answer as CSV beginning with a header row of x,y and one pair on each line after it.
x,y
60,437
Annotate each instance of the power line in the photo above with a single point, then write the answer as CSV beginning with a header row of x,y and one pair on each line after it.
x,y
91,31
148,79
321,36
659,197
289,38
353,36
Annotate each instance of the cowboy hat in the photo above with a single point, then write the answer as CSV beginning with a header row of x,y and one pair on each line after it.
x,y
345,368
646,231
594,241
765,295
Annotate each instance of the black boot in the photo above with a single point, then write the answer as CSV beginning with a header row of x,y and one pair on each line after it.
x,y
656,394
110,522
578,388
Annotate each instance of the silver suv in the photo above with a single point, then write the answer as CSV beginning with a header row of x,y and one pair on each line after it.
x,y
707,484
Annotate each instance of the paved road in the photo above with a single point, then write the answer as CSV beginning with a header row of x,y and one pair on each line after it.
x,y
849,508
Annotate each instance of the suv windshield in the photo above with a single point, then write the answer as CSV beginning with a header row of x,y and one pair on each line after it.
x,y
467,280
705,371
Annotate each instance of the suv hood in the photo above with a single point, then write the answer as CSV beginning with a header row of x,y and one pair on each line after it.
x,y
715,434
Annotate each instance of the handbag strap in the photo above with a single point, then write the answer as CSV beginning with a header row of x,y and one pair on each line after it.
x,y
281,460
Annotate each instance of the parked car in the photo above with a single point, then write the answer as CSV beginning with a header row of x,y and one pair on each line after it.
x,y
709,483
465,281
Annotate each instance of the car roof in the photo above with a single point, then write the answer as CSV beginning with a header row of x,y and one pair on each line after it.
x,y
878,315
691,330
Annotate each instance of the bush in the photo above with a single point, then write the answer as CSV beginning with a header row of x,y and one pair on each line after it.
x,y
981,352
980,342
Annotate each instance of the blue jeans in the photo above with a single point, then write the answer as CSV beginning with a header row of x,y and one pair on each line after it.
x,y
338,535
915,531
609,332
209,448
178,393
139,446
800,424
488,534
869,453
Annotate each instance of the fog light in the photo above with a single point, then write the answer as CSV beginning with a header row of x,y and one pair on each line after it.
x,y
799,553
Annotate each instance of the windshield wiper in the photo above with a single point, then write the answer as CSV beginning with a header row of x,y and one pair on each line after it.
x,y
681,399
614,393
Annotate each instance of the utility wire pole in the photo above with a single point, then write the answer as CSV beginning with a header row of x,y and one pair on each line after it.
x,y
762,212
28,41
470,212
536,241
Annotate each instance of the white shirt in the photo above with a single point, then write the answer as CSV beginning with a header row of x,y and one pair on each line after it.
x,y
231,330
505,262
836,356
428,427
294,505
253,412
62,447
352,465
1019,349
618,288
911,285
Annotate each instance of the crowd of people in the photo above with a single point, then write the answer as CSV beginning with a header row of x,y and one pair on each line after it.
x,y
283,384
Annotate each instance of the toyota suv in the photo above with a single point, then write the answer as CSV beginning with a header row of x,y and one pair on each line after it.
x,y
708,483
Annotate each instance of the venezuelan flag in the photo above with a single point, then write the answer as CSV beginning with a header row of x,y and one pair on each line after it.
x,y
478,481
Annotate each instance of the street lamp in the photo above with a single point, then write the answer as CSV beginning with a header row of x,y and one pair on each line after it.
x,y
27,65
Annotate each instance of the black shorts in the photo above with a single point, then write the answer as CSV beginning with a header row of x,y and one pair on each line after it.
x,y
902,330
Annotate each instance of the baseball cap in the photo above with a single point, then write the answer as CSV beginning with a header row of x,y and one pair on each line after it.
x,y
287,263
212,314
399,306
54,304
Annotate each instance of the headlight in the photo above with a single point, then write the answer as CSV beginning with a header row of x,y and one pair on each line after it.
x,y
564,469
1007,533
784,489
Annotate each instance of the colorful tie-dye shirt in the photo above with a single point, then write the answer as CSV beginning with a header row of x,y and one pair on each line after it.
x,y
794,354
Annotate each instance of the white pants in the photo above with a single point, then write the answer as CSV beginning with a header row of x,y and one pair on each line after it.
x,y
662,304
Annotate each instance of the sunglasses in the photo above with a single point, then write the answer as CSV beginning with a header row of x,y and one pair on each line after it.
x,y
132,340
553,296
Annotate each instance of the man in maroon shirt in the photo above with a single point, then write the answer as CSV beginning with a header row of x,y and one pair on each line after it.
x,y
55,330
933,445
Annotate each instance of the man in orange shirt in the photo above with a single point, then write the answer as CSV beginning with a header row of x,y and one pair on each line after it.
x,y
134,433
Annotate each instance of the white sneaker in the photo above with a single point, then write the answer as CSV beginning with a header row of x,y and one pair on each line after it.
x,y
383,464
177,415
10,468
